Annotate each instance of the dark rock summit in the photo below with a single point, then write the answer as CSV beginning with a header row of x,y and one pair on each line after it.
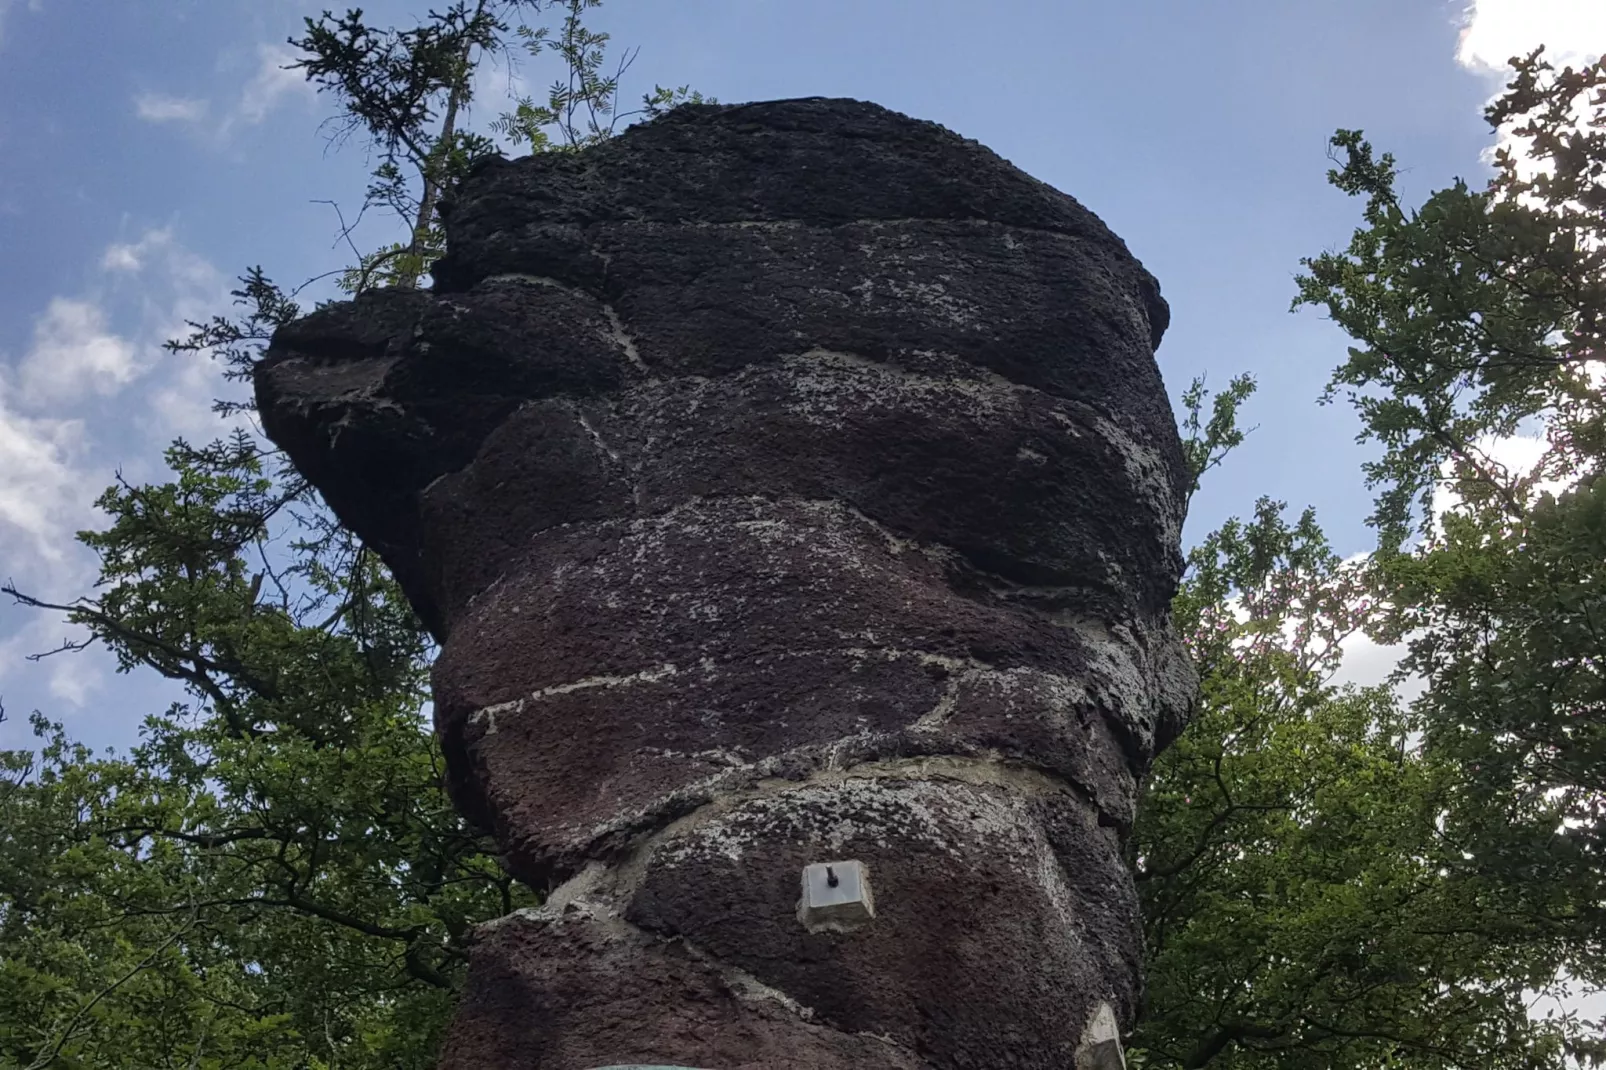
x,y
787,483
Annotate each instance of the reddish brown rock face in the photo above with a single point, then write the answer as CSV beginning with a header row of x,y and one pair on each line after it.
x,y
788,483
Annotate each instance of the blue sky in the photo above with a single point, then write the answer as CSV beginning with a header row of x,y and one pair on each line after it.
x,y
152,149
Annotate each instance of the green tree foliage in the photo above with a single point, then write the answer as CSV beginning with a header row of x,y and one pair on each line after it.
x,y
1298,910
122,948
274,877
291,812
1481,314
409,92
581,108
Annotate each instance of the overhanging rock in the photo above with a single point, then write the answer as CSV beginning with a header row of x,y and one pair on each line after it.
x,y
789,484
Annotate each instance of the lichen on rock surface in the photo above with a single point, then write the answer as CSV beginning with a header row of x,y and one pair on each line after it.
x,y
785,482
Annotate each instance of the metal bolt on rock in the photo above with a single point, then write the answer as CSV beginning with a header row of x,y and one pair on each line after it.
x,y
835,894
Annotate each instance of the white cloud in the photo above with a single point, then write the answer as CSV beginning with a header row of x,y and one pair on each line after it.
x,y
1367,664
182,405
46,493
40,498
187,288
157,250
271,84
1572,31
1516,457
161,108
74,355
120,258
94,393
70,677
135,256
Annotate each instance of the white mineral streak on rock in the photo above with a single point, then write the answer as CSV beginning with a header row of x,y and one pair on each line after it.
x,y
596,439
828,377
750,989
533,280
935,297
621,338
487,715
938,715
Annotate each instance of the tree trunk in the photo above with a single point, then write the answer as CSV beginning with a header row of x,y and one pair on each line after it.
x,y
431,168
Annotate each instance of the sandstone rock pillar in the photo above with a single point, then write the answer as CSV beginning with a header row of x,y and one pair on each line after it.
x,y
793,492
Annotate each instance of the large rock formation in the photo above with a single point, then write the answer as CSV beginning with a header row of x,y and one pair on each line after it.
x,y
788,484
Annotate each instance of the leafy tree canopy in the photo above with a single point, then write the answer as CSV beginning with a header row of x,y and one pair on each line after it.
x,y
1477,317
274,877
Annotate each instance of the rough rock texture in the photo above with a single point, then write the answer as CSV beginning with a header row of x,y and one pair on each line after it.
x,y
787,483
